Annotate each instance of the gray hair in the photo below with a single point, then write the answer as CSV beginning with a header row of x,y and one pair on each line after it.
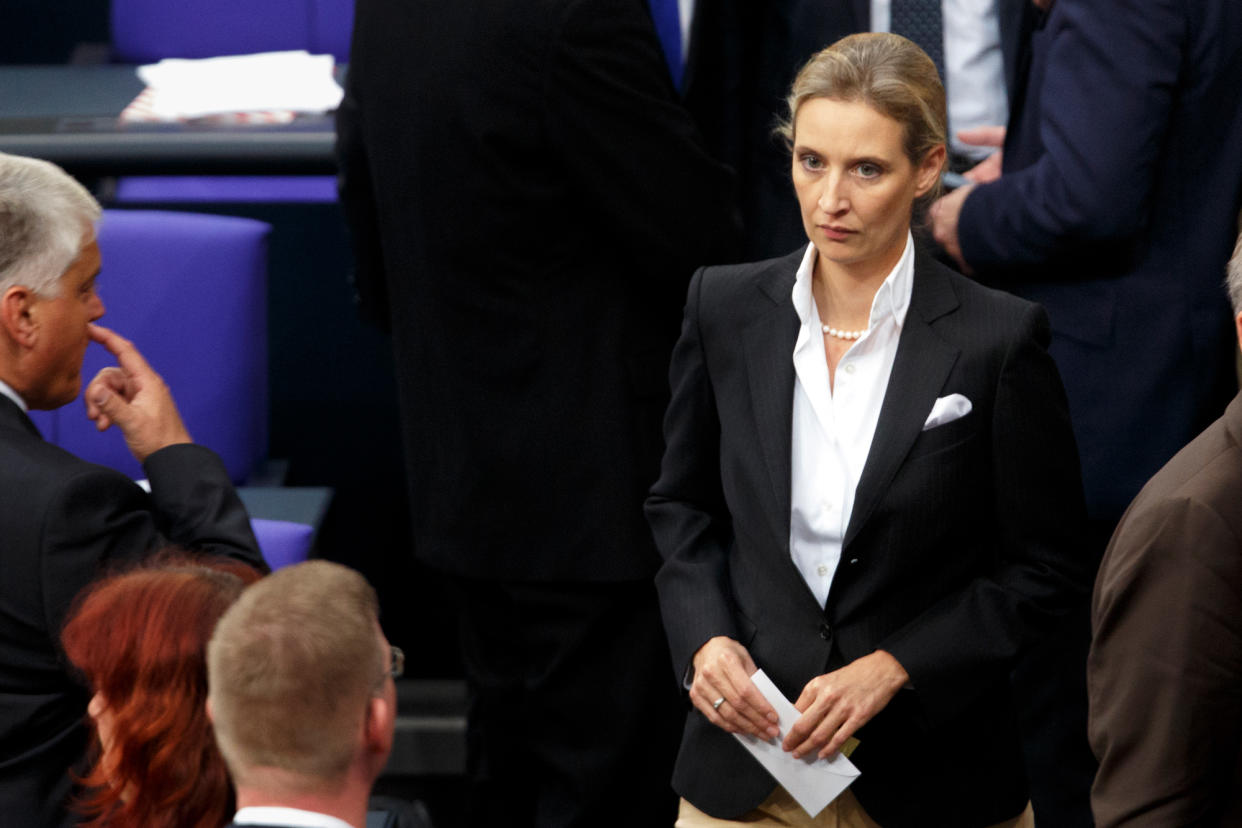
x,y
44,216
1233,278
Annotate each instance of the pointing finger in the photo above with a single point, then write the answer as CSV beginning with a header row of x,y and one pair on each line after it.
x,y
126,354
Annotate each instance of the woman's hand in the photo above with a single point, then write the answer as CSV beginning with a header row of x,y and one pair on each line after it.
x,y
836,704
722,670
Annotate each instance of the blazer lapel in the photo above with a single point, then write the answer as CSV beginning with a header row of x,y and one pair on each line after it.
x,y
920,369
768,343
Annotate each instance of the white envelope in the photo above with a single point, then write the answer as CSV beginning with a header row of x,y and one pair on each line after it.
x,y
946,410
812,782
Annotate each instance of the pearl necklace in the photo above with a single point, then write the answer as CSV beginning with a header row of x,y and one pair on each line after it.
x,y
839,334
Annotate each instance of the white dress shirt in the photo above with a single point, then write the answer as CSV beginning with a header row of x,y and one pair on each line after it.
x,y
685,12
973,64
7,390
833,426
270,815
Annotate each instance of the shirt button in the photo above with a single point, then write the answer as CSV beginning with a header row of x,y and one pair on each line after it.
x,y
849,368
822,570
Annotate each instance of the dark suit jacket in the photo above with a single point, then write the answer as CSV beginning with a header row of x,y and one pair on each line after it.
x,y
1117,211
743,57
1166,662
62,520
962,542
528,200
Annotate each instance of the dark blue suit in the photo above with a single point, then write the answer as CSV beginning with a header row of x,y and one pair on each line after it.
x,y
1117,211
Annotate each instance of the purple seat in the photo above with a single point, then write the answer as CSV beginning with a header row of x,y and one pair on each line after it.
x,y
145,31
226,189
283,542
191,292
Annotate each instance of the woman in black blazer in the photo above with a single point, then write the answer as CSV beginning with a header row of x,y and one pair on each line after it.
x,y
882,521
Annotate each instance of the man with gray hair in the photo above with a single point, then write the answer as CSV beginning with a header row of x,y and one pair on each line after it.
x,y
1166,658
301,697
62,520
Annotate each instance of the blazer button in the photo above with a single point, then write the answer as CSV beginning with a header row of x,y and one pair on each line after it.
x,y
825,631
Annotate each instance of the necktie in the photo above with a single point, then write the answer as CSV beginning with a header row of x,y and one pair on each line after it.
x,y
920,20
668,26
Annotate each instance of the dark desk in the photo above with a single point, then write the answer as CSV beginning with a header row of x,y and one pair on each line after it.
x,y
68,115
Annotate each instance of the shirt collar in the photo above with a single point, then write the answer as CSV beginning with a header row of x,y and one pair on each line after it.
x,y
893,297
7,390
295,817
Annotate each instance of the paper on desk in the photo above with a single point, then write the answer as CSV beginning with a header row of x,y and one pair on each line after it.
x,y
812,782
296,81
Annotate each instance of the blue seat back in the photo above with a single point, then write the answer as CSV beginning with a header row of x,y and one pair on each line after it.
x,y
145,31
283,542
191,292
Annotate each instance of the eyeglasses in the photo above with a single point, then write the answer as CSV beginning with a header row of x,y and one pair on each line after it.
x,y
396,667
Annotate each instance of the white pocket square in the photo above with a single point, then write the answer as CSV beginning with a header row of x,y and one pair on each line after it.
x,y
946,410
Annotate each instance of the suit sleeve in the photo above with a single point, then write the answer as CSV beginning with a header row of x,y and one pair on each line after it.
x,y
1109,86
630,146
1164,669
1041,568
100,517
686,508
357,198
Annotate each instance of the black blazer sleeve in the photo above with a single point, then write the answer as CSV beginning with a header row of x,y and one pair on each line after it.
x,y
686,508
357,197
100,517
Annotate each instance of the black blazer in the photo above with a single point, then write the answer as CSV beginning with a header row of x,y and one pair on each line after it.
x,y
1117,212
528,200
62,521
962,544
743,57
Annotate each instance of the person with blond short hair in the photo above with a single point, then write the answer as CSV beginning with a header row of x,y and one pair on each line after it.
x,y
301,697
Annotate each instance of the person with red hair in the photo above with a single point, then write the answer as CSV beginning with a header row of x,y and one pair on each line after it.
x,y
139,639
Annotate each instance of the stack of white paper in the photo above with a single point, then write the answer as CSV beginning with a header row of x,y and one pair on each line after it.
x,y
291,82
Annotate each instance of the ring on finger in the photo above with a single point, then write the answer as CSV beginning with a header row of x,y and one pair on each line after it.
x,y
716,704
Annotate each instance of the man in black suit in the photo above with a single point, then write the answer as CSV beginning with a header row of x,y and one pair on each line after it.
x,y
301,696
62,520
744,55
528,201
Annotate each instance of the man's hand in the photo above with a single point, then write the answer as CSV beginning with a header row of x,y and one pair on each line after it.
x,y
134,398
722,669
835,705
989,169
944,214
